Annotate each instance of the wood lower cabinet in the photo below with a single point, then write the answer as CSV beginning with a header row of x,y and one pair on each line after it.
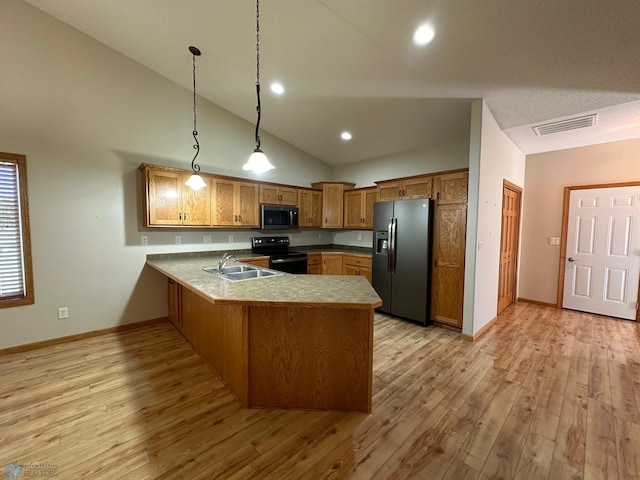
x,y
277,195
314,263
358,208
235,203
170,202
174,295
333,202
262,262
310,208
332,264
420,186
357,265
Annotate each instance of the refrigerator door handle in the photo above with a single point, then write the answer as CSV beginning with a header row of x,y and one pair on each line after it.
x,y
389,244
392,245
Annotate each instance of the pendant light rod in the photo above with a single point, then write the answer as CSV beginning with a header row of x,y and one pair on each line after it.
x,y
258,161
195,180
194,166
258,73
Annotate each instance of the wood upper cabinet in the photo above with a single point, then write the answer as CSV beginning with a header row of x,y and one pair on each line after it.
x,y
170,202
333,202
451,187
405,188
235,203
358,207
310,208
278,195
356,265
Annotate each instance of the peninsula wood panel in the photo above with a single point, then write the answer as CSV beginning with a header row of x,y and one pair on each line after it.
x,y
219,334
317,358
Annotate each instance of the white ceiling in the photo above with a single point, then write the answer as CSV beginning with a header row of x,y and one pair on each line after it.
x,y
351,64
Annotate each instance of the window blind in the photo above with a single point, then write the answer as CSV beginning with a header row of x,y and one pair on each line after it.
x,y
12,277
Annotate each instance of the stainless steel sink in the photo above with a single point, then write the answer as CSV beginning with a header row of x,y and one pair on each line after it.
x,y
231,269
236,273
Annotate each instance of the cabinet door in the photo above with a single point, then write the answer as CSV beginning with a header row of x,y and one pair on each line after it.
x,y
451,187
288,196
314,269
350,270
417,187
316,209
223,203
353,209
247,204
389,191
269,194
450,225
196,204
370,197
332,202
304,208
332,264
164,198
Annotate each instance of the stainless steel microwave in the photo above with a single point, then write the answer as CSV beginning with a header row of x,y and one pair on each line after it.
x,y
278,217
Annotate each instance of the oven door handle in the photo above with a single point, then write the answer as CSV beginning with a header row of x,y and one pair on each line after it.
x,y
289,260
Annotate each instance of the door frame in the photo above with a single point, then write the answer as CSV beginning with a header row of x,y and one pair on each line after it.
x,y
565,227
506,184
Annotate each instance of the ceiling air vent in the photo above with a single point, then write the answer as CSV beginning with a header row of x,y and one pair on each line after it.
x,y
565,125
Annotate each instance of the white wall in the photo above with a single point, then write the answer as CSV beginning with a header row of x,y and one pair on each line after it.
x,y
436,158
86,117
500,160
547,175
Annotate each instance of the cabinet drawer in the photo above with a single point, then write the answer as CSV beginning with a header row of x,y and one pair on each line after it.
x,y
357,260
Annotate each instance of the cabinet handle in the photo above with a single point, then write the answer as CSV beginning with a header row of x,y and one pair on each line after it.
x,y
399,193
185,216
235,218
180,216
240,218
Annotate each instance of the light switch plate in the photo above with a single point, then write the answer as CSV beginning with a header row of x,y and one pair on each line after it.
x,y
554,240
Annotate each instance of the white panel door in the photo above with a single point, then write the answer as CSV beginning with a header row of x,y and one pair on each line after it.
x,y
603,251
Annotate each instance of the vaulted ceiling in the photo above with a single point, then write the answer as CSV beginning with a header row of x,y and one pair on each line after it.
x,y
352,65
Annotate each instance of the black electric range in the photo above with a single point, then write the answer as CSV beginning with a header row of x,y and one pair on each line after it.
x,y
280,257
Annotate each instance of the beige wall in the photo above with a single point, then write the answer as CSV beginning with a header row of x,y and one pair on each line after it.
x,y
547,174
435,158
86,117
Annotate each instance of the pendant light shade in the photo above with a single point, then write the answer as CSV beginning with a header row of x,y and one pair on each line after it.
x,y
258,161
195,180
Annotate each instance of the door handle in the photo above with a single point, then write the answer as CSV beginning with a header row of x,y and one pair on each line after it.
x,y
572,260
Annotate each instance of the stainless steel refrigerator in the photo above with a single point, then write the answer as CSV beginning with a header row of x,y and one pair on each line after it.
x,y
401,257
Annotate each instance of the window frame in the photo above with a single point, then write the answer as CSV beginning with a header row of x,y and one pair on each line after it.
x,y
28,298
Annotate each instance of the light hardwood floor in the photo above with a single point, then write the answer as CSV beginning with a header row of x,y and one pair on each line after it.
x,y
546,394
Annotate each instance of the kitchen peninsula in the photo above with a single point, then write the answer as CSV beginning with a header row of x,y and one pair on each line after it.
x,y
287,341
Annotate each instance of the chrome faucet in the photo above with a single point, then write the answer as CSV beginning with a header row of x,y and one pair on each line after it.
x,y
223,261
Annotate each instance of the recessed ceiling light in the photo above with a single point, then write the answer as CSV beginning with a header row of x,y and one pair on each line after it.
x,y
345,136
277,88
424,34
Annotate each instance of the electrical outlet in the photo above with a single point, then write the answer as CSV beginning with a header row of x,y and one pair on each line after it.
x,y
319,236
144,240
178,239
63,312
554,240
359,236
230,238
206,239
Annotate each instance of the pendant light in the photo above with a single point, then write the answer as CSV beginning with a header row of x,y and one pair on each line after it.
x,y
195,180
258,161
